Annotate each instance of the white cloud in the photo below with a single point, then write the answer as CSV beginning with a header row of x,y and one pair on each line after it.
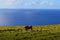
x,y
26,3
10,2
38,2
46,3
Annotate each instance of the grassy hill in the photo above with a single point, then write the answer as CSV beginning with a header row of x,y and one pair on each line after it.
x,y
45,32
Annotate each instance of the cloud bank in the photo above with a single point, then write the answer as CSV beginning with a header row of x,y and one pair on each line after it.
x,y
28,3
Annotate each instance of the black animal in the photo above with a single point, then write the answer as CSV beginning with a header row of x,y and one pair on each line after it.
x,y
28,27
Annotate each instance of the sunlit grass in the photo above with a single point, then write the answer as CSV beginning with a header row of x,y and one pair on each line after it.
x,y
45,32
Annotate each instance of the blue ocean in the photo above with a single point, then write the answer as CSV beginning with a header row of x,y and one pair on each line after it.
x,y
21,17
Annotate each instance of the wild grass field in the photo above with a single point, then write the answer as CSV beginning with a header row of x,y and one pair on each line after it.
x,y
45,32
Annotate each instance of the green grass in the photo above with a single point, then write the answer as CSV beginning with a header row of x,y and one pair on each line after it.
x,y
46,32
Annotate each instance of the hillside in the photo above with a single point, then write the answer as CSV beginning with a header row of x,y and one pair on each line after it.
x,y
45,32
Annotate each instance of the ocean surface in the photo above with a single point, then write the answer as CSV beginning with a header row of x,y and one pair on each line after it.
x,y
14,17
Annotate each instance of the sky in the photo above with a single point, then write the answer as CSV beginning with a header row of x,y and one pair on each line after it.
x,y
30,4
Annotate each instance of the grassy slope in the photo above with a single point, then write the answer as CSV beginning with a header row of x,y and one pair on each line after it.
x,y
46,32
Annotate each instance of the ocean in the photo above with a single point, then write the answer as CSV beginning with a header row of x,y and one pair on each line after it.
x,y
22,17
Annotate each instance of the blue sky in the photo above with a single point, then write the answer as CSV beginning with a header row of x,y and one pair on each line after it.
x,y
30,4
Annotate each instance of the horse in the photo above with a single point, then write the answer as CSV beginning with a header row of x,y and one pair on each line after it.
x,y
28,27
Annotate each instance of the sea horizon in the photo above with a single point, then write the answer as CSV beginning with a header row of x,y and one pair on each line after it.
x,y
18,17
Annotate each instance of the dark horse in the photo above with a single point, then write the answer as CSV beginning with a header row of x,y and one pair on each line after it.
x,y
28,27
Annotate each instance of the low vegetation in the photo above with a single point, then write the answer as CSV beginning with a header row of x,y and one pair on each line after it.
x,y
45,32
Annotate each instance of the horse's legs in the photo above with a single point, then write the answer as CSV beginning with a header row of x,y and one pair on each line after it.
x,y
26,29
31,28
